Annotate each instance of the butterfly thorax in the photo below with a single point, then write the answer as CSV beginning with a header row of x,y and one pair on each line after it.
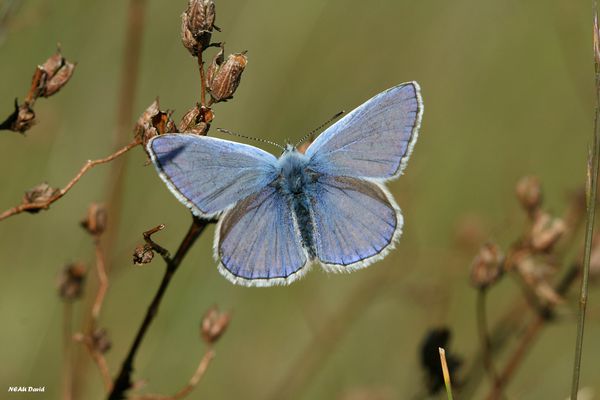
x,y
295,183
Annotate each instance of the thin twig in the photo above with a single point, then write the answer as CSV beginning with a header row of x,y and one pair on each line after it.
x,y
531,333
123,380
484,337
591,191
88,338
155,246
187,389
202,78
43,205
446,373
67,351
102,283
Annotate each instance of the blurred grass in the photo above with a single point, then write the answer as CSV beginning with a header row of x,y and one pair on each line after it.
x,y
508,91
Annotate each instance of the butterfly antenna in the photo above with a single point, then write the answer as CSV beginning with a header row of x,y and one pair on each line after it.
x,y
336,116
251,138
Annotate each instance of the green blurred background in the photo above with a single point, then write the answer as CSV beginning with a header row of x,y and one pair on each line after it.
x,y
508,91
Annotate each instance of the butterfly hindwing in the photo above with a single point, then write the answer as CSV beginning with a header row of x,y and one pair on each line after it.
x,y
208,174
356,222
374,140
258,243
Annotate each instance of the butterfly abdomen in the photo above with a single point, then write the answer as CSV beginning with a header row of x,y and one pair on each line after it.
x,y
295,183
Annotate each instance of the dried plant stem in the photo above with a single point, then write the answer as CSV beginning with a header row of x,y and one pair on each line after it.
x,y
202,77
102,282
531,333
591,191
87,166
484,337
67,351
446,373
87,339
123,380
187,389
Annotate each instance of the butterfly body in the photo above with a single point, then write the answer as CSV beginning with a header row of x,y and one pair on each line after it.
x,y
280,215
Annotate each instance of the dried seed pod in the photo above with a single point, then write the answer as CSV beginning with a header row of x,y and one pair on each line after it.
x,y
153,122
486,267
197,24
95,220
100,340
529,193
214,324
226,79
71,280
215,64
143,254
21,119
60,79
546,231
39,194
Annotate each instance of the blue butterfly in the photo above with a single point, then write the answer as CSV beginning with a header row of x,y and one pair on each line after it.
x,y
277,216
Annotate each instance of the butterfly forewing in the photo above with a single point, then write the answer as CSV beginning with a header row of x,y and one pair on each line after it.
x,y
374,140
208,174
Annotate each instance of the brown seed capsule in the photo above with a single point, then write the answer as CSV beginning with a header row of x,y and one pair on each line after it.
x,y
215,64
39,194
486,267
226,78
71,280
214,324
60,79
100,340
529,193
197,24
95,220
143,254
546,231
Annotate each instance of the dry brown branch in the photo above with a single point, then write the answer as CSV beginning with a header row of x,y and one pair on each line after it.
x,y
44,205
187,389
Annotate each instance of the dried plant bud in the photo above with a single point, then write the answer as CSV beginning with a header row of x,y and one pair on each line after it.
x,y
153,122
197,24
39,194
529,193
214,324
536,275
546,231
215,64
226,78
197,120
100,340
143,254
71,280
51,76
20,120
486,268
95,220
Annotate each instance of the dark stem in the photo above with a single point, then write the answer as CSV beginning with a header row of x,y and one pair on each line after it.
x,y
484,336
123,380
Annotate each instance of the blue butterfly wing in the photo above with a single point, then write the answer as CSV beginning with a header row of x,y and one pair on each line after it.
x,y
356,222
374,140
258,242
207,174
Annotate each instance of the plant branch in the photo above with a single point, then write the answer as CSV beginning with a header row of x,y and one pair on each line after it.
x,y
591,192
43,205
123,380
187,389
484,337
